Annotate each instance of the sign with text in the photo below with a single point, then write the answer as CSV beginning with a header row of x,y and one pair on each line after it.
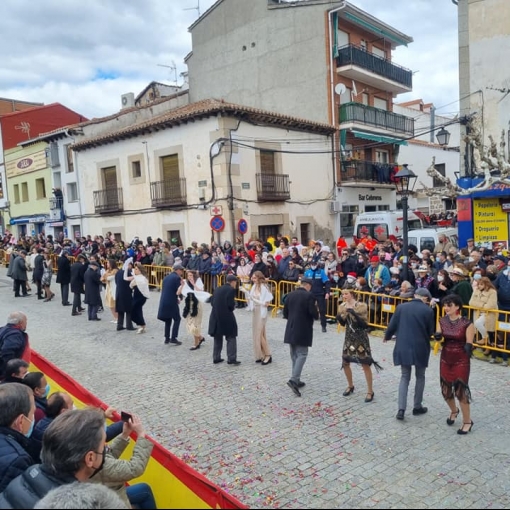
x,y
489,221
36,161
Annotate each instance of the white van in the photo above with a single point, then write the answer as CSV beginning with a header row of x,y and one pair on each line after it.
x,y
427,238
380,225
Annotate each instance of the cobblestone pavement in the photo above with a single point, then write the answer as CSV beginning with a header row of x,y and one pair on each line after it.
x,y
246,431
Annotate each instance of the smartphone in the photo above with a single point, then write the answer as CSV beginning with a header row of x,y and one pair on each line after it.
x,y
125,416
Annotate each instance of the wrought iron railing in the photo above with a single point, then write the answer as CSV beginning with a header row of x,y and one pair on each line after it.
x,y
108,200
353,55
273,187
168,193
356,170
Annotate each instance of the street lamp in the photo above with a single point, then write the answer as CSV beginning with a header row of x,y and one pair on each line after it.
x,y
405,180
443,137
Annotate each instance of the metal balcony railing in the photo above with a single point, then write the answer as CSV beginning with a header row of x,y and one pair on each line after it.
x,y
370,116
56,203
356,170
108,200
354,55
168,193
273,187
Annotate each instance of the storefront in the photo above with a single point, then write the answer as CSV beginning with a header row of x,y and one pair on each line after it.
x,y
29,225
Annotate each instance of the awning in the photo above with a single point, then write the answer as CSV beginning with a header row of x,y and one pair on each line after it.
x,y
378,138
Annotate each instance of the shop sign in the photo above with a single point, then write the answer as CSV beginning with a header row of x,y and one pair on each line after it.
x,y
369,198
489,221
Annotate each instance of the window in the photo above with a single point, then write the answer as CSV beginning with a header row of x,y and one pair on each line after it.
x,y
24,191
364,98
267,162
72,192
170,168
378,52
40,189
266,231
16,194
346,97
69,159
382,156
174,237
441,168
136,169
347,219
382,104
363,44
76,231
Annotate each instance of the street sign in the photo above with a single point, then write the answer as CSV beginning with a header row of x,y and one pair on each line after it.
x,y
217,223
242,226
216,210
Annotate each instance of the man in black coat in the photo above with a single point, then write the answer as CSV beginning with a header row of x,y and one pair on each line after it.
x,y
123,299
16,425
92,279
222,321
77,281
168,310
64,277
300,310
19,274
38,271
13,339
413,325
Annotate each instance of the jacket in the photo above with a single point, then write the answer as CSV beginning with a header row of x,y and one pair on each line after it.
x,y
413,324
38,268
123,293
169,301
76,278
92,279
63,270
13,343
14,458
31,486
19,269
486,300
300,310
116,473
321,284
222,321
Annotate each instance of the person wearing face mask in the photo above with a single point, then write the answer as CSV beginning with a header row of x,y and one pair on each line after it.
x,y
350,281
73,450
321,288
16,425
36,381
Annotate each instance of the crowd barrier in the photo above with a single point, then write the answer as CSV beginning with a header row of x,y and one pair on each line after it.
x,y
381,307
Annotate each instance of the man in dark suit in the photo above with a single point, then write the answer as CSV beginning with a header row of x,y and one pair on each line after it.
x,y
222,321
413,325
168,311
19,274
64,277
92,279
78,283
300,310
38,271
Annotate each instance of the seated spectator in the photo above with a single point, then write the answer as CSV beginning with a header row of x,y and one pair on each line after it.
x,y
291,273
14,340
406,290
81,495
116,472
16,424
15,370
37,382
73,450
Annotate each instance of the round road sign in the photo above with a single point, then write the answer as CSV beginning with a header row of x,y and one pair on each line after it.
x,y
242,226
217,223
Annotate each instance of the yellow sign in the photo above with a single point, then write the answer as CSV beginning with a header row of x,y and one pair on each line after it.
x,y
489,221
25,165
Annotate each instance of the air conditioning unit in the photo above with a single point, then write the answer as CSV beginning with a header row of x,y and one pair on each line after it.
x,y
128,100
334,207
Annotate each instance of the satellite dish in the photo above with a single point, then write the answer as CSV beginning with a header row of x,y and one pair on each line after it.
x,y
340,89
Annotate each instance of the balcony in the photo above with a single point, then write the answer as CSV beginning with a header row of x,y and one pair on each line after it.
x,y
384,122
357,64
56,203
273,187
108,201
355,171
168,193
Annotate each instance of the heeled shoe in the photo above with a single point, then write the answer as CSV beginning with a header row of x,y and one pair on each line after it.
x,y
450,421
463,432
51,297
369,399
195,347
202,340
270,360
348,391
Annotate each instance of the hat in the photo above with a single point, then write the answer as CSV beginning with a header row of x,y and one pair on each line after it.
x,y
308,281
423,269
488,252
178,267
94,263
354,275
81,256
423,293
374,258
458,271
231,278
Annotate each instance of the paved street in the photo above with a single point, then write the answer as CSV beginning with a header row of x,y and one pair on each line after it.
x,y
245,430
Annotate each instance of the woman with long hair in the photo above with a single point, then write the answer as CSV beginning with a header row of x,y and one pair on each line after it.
x,y
259,297
108,279
47,275
458,333
194,297
353,314
140,285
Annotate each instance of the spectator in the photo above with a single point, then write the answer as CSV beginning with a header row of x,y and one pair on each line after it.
x,y
15,370
291,274
14,340
16,425
461,286
81,495
36,381
443,244
73,449
377,270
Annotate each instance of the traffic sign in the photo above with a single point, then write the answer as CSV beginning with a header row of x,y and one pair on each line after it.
x,y
217,223
242,226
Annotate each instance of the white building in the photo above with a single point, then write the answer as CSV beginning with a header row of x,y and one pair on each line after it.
x,y
170,176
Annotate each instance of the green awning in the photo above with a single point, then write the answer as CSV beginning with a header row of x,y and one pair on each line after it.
x,y
378,138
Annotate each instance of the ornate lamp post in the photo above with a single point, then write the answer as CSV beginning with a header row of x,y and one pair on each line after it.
x,y
406,179
443,137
